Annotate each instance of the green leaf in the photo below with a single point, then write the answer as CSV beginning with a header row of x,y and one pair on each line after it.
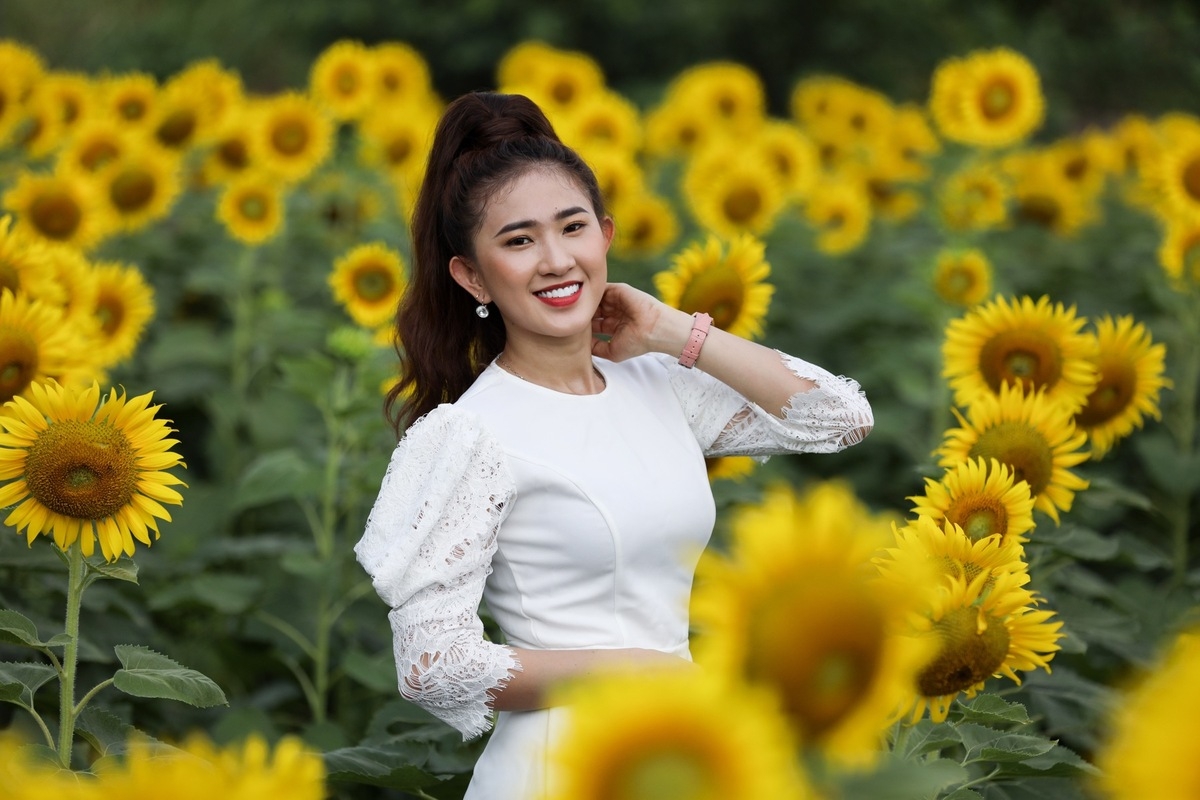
x,y
1058,762
1085,544
963,794
146,673
124,569
986,744
907,780
927,736
376,672
16,628
991,709
392,766
20,681
109,735
226,593
273,476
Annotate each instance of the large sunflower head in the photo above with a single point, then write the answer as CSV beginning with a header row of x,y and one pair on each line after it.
x,y
294,135
793,155
35,344
1033,344
342,79
252,208
730,284
983,628
1149,748
60,207
948,551
78,471
401,74
963,277
671,735
839,210
368,282
799,607
983,499
1177,176
731,190
603,119
974,198
131,98
1034,436
140,186
730,94
646,225
1131,369
123,308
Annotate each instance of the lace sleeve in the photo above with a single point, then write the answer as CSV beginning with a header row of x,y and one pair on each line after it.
x,y
428,546
828,418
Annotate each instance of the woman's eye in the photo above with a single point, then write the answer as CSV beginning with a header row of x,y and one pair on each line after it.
x,y
519,240
574,226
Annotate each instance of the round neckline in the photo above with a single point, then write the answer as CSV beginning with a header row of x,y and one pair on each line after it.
x,y
556,392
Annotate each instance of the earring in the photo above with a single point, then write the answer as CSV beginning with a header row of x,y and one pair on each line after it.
x,y
482,311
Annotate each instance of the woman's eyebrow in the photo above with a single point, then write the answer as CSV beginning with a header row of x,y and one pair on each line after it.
x,y
529,223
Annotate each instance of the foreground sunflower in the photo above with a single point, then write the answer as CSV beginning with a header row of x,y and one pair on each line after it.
x,y
1035,437
78,472
730,284
799,608
984,499
671,735
963,277
949,551
1131,371
1033,344
368,282
1151,748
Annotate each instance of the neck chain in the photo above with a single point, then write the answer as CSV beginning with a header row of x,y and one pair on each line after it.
x,y
503,362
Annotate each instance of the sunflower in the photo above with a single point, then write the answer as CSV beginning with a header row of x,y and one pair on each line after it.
x,y
76,471
181,116
863,116
559,80
12,104
730,284
368,282
233,150
71,269
1177,175
912,138
1033,344
1086,160
729,468
991,98
522,63
342,81
141,186
646,224
670,733
946,548
251,206
1179,253
123,308
72,92
58,207
731,190
218,92
97,142
294,135
398,140
840,211
1135,143
974,198
730,94
984,628
1034,436
401,76
818,99
24,64
793,155
603,119
798,608
131,97
963,277
618,174
677,129
25,267
1043,196
41,129
1150,748
984,500
1131,371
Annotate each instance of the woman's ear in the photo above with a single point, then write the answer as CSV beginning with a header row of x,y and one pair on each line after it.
x,y
610,228
467,277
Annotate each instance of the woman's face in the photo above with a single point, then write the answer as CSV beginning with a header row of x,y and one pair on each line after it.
x,y
540,256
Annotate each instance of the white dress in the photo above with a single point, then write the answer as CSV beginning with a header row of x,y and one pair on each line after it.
x,y
578,518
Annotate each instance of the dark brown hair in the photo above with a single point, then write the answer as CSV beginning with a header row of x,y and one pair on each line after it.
x,y
483,141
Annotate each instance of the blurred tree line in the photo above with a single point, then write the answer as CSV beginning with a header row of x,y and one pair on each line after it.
x,y
1098,58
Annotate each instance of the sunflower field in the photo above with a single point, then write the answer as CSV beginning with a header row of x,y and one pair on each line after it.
x,y
993,596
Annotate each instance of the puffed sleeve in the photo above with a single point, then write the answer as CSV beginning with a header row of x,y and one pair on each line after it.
x,y
428,547
830,417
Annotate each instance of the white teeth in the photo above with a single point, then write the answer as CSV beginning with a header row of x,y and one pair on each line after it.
x,y
563,291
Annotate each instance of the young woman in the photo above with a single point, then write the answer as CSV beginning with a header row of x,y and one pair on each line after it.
x,y
557,426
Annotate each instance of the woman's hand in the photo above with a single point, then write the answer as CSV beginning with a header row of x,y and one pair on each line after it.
x,y
630,322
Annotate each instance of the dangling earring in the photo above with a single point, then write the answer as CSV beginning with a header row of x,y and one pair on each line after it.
x,y
482,310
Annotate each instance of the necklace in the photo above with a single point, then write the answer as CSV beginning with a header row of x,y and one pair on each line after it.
x,y
504,364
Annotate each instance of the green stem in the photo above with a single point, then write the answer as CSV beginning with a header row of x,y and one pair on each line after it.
x,y
87,698
66,698
45,729
1187,392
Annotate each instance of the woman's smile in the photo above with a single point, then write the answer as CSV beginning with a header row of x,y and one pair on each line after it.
x,y
560,295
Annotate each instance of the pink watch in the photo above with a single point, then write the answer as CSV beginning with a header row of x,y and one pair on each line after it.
x,y
691,351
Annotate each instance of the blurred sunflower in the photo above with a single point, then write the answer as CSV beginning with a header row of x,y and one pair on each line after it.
x,y
368,282
963,277
1042,196
12,104
71,269
218,92
401,76
1149,748
731,284
682,734
677,129
729,468
130,97
41,129
1034,436
991,98
1177,176
984,499
798,608
794,157
986,627
1131,369
603,119
96,142
397,140
618,174
294,135
23,63
25,267
558,80
58,207
74,95
251,207
818,99
181,117
1179,253
234,147
948,551
732,190
974,198
141,186
78,472
1135,143
730,94
864,116
342,79
913,140
1086,160
1036,345
124,306
839,209
646,224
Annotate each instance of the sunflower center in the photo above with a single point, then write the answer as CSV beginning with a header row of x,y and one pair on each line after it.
x,y
821,644
9,277
18,363
599,130
1021,356
968,655
97,154
346,83
233,154
56,214
1191,179
1022,448
719,291
398,150
81,469
563,91
290,137
372,284
1112,395
742,205
1039,209
177,128
643,230
132,108
110,311
979,517
665,775
253,206
959,282
997,99
132,190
